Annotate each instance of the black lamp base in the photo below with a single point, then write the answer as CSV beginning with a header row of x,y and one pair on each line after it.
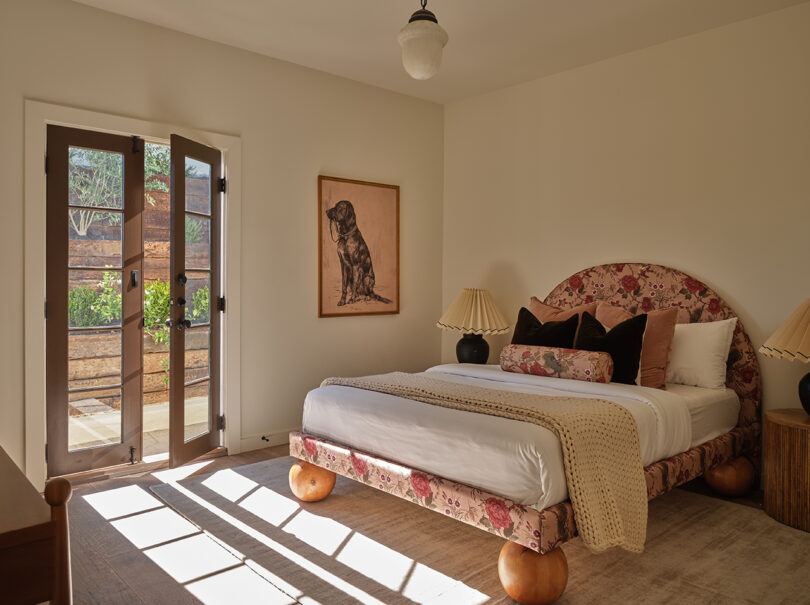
x,y
472,348
804,392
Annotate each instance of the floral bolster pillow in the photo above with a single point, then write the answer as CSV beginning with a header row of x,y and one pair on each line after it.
x,y
590,366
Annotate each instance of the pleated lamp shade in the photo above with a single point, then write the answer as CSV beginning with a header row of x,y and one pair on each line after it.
x,y
473,312
791,340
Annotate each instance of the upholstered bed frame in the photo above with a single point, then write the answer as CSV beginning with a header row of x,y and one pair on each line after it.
x,y
637,288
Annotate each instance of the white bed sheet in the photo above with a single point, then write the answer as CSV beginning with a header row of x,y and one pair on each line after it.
x,y
515,459
713,411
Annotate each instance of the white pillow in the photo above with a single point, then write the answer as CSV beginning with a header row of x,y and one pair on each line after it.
x,y
699,353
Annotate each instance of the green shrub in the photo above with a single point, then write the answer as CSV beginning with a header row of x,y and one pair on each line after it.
x,y
200,305
194,230
156,308
99,306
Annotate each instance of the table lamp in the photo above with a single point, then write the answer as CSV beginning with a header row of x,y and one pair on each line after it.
x,y
474,314
792,341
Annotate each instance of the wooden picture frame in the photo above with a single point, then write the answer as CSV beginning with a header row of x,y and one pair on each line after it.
x,y
358,248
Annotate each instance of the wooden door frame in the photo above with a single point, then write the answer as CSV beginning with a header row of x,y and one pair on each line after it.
x,y
37,116
61,461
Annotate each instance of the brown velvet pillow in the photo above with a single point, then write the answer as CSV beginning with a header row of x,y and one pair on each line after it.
x,y
545,312
657,340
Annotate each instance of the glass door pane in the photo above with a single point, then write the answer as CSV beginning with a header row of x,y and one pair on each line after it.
x,y
157,299
95,239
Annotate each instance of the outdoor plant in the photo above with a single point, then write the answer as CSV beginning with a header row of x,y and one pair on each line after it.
x,y
194,230
96,306
156,310
90,306
200,304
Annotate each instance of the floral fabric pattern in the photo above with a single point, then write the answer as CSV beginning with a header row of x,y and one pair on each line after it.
x,y
538,530
641,288
589,366
541,531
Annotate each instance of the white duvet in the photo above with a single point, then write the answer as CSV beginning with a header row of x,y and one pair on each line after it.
x,y
515,459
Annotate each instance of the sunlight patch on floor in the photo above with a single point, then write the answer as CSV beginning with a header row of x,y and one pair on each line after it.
x,y
238,585
269,506
375,561
191,558
319,532
426,585
122,501
229,484
181,472
154,527
209,568
303,562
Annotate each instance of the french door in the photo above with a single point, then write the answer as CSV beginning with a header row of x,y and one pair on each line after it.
x,y
103,256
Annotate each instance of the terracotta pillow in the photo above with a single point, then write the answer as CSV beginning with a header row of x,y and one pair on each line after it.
x,y
545,312
657,340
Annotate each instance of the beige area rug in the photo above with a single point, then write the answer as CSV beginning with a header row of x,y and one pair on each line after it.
x,y
361,544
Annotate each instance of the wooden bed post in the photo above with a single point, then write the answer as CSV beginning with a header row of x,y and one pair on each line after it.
x,y
309,482
531,578
57,494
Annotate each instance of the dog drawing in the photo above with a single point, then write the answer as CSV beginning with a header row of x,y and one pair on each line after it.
x,y
356,270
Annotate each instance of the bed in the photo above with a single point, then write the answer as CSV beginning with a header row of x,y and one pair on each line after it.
x,y
505,476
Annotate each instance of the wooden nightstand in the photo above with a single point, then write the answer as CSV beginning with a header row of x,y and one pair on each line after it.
x,y
787,467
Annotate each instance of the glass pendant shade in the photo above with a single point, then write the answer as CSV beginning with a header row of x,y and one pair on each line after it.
x,y
422,42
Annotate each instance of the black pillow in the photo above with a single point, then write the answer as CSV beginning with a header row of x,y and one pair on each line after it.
x,y
530,331
623,343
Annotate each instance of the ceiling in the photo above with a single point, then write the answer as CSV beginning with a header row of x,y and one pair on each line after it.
x,y
493,43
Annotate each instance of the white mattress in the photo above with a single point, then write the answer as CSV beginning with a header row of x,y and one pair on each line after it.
x,y
518,460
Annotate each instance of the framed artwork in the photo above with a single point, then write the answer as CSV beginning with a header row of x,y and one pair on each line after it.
x,y
358,248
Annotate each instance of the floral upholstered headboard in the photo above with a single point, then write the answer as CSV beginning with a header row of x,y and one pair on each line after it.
x,y
640,288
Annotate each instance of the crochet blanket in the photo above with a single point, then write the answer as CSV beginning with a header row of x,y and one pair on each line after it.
x,y
600,445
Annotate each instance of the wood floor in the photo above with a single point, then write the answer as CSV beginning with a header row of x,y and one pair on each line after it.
x,y
108,568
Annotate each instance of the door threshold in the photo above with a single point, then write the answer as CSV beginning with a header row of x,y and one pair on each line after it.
x,y
123,470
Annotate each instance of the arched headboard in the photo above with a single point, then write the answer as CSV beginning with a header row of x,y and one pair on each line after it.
x,y
641,287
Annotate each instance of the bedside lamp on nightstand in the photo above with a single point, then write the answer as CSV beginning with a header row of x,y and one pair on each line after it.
x,y
474,314
792,341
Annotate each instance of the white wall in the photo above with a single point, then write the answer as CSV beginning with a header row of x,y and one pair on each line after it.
x,y
692,154
294,123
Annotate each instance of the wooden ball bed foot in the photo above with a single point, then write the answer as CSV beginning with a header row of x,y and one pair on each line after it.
x,y
310,483
733,478
531,578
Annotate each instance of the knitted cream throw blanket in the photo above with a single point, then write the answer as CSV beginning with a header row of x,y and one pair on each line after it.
x,y
600,445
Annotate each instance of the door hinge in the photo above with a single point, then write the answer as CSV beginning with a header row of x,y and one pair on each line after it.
x,y
221,422
46,164
222,184
221,302
46,452
132,455
135,141
46,309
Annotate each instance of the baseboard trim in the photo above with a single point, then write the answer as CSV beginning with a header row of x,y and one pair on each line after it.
x,y
255,442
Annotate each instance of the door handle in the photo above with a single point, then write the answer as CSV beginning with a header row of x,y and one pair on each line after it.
x,y
134,278
182,324
182,279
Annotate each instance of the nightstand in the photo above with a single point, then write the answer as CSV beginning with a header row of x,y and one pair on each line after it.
x,y
787,467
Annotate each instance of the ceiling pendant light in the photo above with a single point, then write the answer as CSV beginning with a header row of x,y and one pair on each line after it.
x,y
422,41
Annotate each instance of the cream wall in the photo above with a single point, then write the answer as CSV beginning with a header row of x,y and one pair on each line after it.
x,y
692,154
294,124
